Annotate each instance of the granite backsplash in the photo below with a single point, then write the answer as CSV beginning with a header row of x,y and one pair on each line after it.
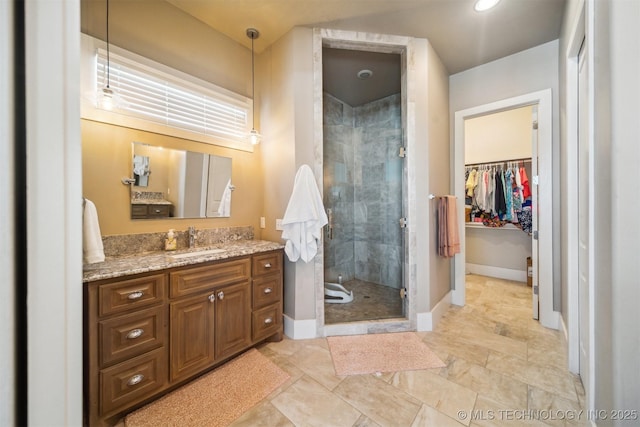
x,y
132,244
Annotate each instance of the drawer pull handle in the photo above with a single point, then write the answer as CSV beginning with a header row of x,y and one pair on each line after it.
x,y
136,379
268,290
267,265
212,297
268,320
135,333
135,295
221,295
157,210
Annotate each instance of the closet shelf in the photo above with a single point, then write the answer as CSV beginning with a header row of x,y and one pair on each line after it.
x,y
481,225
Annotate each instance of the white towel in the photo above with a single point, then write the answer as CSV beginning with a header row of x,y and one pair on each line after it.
x,y
224,208
92,249
304,218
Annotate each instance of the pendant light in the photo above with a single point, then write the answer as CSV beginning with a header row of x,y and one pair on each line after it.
x,y
107,99
254,135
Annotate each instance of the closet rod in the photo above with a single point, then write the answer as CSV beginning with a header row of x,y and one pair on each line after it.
x,y
525,159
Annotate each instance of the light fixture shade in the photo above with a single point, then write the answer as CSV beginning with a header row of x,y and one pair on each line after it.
x,y
255,137
482,5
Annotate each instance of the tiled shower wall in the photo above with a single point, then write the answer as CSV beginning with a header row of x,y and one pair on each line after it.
x,y
363,188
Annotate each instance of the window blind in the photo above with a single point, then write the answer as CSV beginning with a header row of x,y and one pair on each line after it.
x,y
163,98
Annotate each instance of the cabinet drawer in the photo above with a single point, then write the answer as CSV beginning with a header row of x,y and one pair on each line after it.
x,y
266,321
129,335
267,290
129,382
138,211
127,294
158,211
193,280
267,263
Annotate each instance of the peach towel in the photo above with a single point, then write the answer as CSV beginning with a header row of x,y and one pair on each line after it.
x,y
448,237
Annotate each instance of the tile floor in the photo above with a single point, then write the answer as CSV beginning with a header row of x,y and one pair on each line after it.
x,y
370,301
503,369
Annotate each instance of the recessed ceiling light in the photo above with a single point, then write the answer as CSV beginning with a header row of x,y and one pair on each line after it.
x,y
365,74
482,5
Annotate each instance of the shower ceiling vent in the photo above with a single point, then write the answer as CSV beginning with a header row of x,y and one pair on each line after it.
x,y
365,74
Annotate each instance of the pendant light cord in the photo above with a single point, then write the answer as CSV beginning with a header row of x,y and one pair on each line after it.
x,y
108,61
253,88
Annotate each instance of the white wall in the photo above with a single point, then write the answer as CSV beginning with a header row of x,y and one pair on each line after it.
x,y
499,136
624,45
528,71
54,213
614,35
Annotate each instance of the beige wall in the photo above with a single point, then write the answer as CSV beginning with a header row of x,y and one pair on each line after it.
x,y
106,158
287,114
497,137
439,167
161,32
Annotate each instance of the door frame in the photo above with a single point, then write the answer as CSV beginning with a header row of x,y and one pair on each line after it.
x,y
548,317
405,47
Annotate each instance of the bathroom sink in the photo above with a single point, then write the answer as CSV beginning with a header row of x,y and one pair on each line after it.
x,y
197,253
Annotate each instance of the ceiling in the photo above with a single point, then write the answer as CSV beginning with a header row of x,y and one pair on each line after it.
x,y
461,37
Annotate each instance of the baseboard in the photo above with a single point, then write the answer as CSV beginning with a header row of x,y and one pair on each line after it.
x,y
497,272
299,329
429,320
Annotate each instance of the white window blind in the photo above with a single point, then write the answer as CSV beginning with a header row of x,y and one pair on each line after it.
x,y
154,95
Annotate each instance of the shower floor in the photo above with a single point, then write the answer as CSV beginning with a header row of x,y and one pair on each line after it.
x,y
370,302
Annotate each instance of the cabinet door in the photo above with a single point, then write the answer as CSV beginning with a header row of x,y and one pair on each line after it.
x,y
192,335
233,319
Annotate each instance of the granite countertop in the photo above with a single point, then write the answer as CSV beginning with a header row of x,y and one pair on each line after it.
x,y
150,202
154,261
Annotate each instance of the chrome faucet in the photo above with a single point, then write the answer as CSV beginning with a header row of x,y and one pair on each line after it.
x,y
192,237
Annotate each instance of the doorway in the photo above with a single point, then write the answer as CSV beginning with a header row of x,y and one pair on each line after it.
x,y
500,199
543,268
363,185
377,165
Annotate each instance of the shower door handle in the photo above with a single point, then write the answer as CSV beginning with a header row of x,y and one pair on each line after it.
x,y
330,224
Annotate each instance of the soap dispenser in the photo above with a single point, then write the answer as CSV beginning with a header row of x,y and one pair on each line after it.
x,y
170,243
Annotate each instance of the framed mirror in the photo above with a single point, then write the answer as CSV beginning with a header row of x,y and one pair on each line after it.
x,y
172,183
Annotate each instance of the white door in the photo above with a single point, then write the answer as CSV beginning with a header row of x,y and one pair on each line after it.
x,y
533,184
583,217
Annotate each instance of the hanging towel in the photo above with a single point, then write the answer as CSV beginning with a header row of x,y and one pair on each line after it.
x,y
448,237
304,218
92,249
224,209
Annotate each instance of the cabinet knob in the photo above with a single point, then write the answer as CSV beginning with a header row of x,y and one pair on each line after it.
x,y
135,295
221,295
212,297
135,333
268,320
157,210
267,265
136,379
268,290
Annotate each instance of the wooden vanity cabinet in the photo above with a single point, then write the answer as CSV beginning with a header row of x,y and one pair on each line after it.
x,y
150,333
139,211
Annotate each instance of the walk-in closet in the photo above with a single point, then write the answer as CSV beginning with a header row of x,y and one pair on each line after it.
x,y
499,194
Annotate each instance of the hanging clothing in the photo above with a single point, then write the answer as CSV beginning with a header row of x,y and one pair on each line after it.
x,y
471,182
500,204
526,191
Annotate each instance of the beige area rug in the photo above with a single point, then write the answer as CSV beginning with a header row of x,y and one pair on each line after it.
x,y
217,398
367,354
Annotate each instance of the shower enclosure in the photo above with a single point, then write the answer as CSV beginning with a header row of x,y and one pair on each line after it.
x,y
363,193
